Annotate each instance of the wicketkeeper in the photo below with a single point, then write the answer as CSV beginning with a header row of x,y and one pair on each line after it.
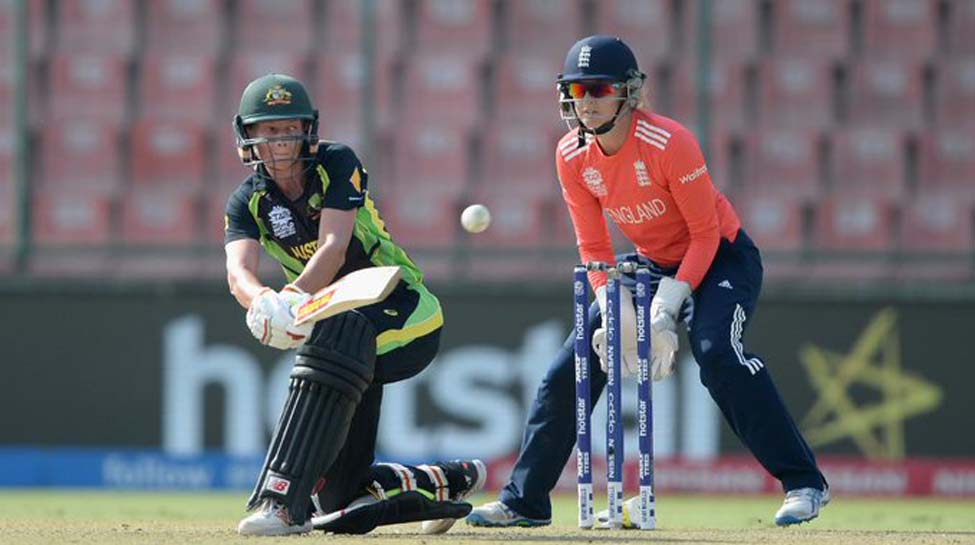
x,y
646,172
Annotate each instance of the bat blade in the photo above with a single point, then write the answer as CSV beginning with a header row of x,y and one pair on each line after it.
x,y
356,289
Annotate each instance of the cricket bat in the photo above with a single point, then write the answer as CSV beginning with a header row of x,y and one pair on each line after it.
x,y
356,289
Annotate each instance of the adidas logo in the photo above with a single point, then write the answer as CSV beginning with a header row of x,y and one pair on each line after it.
x,y
725,284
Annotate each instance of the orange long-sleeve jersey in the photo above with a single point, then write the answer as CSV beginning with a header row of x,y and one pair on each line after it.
x,y
656,189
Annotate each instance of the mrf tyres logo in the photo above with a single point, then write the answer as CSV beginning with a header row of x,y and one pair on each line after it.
x,y
694,174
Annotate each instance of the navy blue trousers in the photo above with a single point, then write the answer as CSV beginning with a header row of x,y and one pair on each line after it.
x,y
738,382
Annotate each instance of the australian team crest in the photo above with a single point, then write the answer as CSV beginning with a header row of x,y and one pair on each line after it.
x,y
594,180
277,95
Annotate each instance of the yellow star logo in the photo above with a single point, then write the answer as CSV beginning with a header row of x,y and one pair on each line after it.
x,y
877,428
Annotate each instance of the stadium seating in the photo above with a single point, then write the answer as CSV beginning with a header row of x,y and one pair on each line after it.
x,y
291,26
724,163
937,223
947,162
783,162
901,29
773,221
647,26
79,154
339,89
961,28
842,130
183,26
88,86
178,87
214,211
106,26
165,215
346,130
8,94
542,27
343,26
8,209
886,93
71,215
524,89
817,29
442,89
168,154
955,97
7,188
420,217
796,92
433,156
726,95
463,28
854,222
229,171
518,218
521,157
869,160
936,239
734,30
37,12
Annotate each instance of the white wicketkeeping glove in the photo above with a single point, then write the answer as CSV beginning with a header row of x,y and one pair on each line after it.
x,y
270,318
664,310
627,328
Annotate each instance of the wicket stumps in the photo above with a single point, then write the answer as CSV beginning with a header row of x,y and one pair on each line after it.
x,y
614,422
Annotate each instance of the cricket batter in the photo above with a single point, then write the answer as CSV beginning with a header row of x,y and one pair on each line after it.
x,y
308,205
646,172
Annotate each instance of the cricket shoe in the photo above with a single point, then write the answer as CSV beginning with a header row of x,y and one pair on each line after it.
x,y
271,519
475,476
801,505
631,515
499,515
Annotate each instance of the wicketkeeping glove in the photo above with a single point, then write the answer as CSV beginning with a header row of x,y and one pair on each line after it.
x,y
664,309
626,316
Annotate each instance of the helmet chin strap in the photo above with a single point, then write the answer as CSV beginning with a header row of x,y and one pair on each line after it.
x,y
602,129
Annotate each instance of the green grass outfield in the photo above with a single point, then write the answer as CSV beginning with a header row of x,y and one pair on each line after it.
x,y
36,517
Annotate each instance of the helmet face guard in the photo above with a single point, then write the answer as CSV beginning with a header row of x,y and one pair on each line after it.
x,y
247,145
275,97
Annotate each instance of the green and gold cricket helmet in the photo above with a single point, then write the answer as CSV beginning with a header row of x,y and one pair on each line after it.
x,y
270,98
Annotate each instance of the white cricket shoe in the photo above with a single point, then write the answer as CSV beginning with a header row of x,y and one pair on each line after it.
x,y
476,473
499,515
271,519
631,515
801,505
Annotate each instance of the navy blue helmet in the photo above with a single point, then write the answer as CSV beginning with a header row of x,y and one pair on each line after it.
x,y
599,58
